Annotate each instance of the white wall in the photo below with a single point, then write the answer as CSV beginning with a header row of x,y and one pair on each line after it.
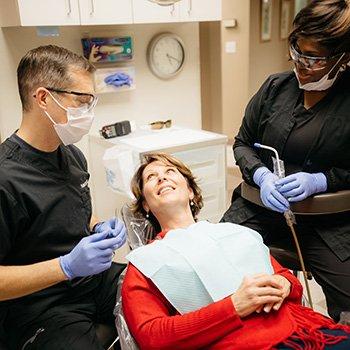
x,y
230,79
269,57
153,98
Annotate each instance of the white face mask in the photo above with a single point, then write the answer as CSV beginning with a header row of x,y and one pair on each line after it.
x,y
324,83
79,121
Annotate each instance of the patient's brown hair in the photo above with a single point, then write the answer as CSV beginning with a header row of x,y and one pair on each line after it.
x,y
137,185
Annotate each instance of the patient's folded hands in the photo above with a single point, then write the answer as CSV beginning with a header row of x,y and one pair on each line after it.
x,y
285,287
257,291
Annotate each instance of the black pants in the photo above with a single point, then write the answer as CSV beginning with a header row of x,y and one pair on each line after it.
x,y
71,325
332,274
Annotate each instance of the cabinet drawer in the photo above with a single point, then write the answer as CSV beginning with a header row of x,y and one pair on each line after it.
x,y
207,164
214,200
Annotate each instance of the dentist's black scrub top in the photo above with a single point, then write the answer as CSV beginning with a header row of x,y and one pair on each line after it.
x,y
45,210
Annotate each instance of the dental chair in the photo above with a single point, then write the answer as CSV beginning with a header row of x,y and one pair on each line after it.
x,y
327,203
321,204
106,334
139,232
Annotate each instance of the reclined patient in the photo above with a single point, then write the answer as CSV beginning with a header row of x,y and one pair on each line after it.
x,y
199,285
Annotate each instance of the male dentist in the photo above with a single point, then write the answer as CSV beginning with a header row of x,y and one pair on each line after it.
x,y
57,278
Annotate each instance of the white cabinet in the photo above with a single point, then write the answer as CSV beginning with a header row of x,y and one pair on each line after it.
x,y
48,12
146,11
200,10
105,11
95,12
208,165
204,153
67,12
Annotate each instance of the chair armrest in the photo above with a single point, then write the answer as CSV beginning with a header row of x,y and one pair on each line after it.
x,y
326,203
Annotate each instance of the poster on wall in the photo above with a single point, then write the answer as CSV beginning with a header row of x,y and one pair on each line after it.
x,y
285,18
101,50
265,20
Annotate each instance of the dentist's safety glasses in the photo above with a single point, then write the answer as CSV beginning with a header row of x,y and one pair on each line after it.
x,y
160,124
310,62
88,101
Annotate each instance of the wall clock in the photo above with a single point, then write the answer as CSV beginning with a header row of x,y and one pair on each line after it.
x,y
166,55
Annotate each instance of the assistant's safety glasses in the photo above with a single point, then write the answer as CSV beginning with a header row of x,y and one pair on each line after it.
x,y
310,62
84,98
160,124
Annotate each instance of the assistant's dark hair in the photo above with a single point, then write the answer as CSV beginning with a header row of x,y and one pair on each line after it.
x,y
47,66
325,21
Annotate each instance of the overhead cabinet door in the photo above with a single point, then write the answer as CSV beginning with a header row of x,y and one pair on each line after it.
x,y
48,12
200,10
106,11
146,11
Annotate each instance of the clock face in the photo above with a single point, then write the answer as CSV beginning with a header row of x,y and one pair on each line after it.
x,y
166,55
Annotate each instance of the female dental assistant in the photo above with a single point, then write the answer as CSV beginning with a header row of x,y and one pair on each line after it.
x,y
304,114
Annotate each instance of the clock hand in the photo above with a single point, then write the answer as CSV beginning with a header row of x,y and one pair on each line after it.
x,y
167,55
174,58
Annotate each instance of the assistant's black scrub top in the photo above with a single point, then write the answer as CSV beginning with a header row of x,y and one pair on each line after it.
x,y
270,118
314,140
45,210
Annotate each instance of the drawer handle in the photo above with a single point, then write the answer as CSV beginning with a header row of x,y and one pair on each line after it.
x,y
164,2
92,8
69,7
189,7
201,164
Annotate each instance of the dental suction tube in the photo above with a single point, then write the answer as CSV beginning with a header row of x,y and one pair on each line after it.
x,y
290,220
259,145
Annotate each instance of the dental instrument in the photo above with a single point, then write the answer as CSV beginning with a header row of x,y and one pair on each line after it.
x,y
290,220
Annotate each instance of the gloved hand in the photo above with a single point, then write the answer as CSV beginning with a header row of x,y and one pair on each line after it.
x,y
115,228
269,195
92,255
299,186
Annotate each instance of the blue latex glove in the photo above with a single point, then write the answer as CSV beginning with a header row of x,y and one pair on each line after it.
x,y
299,186
269,195
118,79
92,255
114,227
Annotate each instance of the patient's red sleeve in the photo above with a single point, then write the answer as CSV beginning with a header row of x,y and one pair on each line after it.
x,y
296,291
155,324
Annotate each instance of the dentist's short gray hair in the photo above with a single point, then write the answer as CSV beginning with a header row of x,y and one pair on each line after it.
x,y
47,66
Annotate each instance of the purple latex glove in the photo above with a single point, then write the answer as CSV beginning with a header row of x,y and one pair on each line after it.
x,y
299,186
269,195
118,79
115,228
92,255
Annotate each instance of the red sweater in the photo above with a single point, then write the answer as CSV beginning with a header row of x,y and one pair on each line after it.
x,y
155,324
